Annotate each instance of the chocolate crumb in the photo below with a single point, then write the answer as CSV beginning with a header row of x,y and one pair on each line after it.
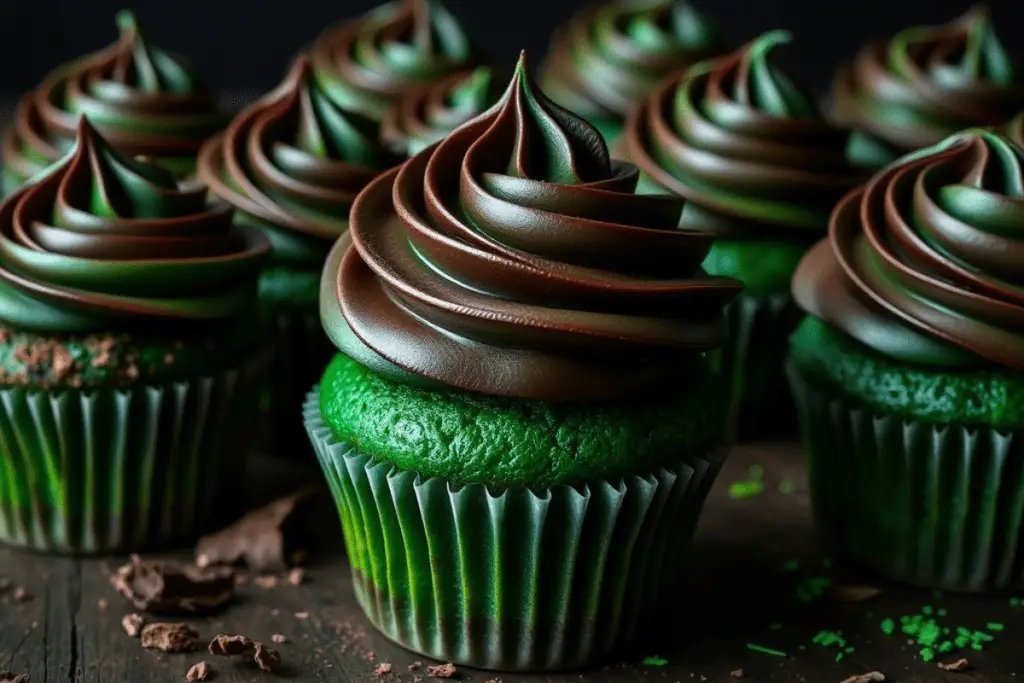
x,y
8,677
259,539
870,677
738,673
198,672
132,624
302,615
174,587
279,638
958,665
297,576
231,646
382,669
415,665
267,658
21,595
853,593
268,581
441,671
62,362
169,637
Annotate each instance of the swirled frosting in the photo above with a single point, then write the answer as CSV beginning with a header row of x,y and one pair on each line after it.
x,y
926,83
513,258
295,162
610,56
925,263
364,65
142,99
744,145
427,114
100,242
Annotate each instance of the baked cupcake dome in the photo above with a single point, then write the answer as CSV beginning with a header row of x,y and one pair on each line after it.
x,y
128,351
365,64
760,170
924,84
291,165
142,99
523,341
612,55
913,354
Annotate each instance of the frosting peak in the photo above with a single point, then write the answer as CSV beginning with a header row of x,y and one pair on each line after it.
x,y
513,258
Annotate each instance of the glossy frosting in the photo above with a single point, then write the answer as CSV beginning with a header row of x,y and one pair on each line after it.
x,y
744,145
925,263
926,83
513,258
610,56
365,64
142,99
294,161
101,242
427,114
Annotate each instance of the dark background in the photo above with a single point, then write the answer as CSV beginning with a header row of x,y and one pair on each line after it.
x,y
245,44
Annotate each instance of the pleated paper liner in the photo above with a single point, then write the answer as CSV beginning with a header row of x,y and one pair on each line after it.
x,y
517,581
87,471
940,506
753,361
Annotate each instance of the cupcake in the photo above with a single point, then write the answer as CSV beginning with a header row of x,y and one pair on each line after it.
x,y
142,99
612,55
760,170
366,64
127,354
924,84
521,427
908,371
291,165
427,114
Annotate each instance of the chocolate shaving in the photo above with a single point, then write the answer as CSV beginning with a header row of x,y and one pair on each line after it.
x,y
174,588
441,671
266,658
259,539
8,677
132,624
169,637
198,672
958,665
870,677
853,593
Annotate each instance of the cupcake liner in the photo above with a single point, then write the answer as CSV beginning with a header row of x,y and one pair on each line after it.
x,y
87,471
937,505
516,581
752,362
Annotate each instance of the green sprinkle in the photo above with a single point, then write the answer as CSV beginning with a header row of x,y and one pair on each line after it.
x,y
927,654
943,612
655,661
850,650
982,636
977,646
946,646
765,650
839,657
739,490
888,626
994,626
787,486
927,609
756,472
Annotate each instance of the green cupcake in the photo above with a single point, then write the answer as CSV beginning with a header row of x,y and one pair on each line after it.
x,y
924,84
128,353
611,56
908,374
522,425
760,170
143,100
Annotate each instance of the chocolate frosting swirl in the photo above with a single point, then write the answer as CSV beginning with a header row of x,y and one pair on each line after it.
x,y
513,258
427,114
294,161
142,99
610,56
101,242
744,145
367,63
925,263
926,83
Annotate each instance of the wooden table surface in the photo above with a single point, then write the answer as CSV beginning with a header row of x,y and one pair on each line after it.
x,y
742,589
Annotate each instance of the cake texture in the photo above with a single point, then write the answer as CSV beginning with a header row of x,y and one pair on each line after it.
x,y
143,100
908,373
923,84
760,169
523,397
612,55
128,351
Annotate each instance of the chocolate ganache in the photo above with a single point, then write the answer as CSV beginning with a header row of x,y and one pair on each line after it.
x,y
293,163
101,242
427,114
744,145
926,83
365,64
513,258
142,99
610,56
925,264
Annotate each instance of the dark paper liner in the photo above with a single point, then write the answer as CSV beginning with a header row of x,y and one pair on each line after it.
x,y
936,505
122,470
517,581
752,362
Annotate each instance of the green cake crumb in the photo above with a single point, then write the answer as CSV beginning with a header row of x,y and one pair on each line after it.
x,y
754,647
655,661
927,630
